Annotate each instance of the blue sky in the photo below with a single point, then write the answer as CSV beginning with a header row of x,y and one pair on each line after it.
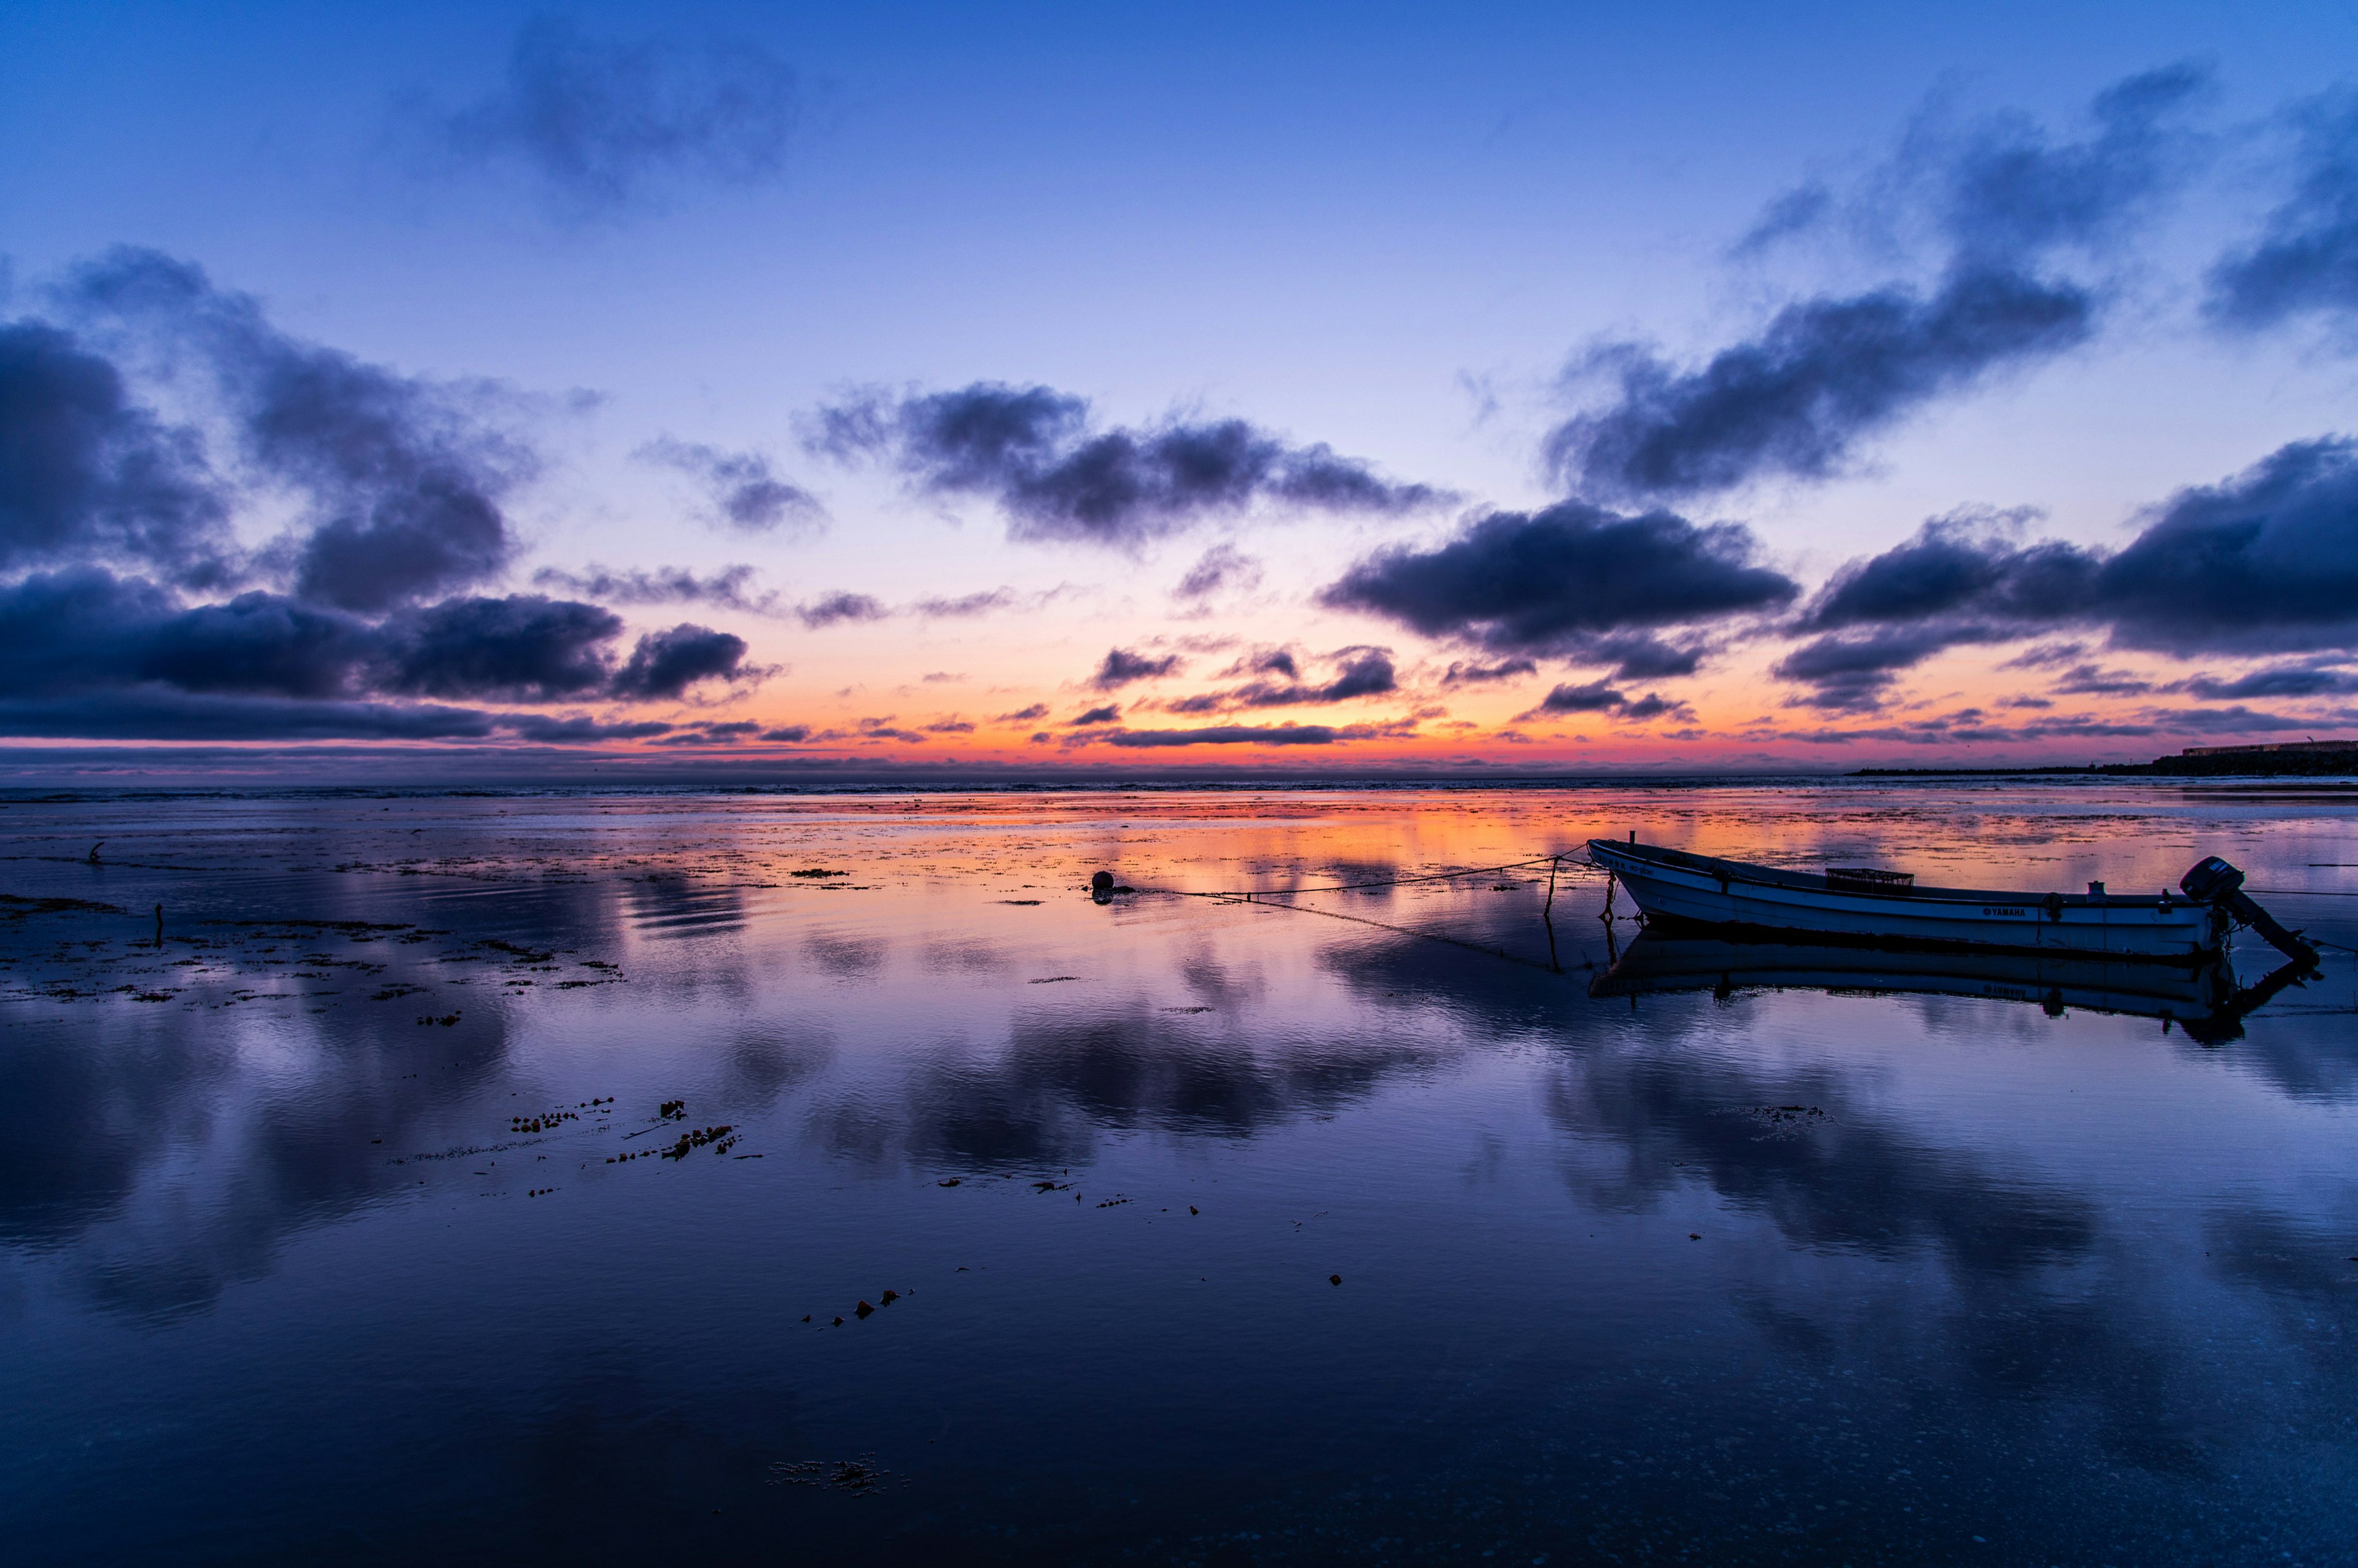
x,y
1389,230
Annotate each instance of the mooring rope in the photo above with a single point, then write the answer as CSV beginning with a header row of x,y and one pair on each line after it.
x,y
1254,894
1275,898
1401,930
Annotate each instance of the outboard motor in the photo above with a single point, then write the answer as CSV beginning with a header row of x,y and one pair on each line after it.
x,y
2214,882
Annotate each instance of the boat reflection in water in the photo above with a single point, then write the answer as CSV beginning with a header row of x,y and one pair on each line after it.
x,y
2201,998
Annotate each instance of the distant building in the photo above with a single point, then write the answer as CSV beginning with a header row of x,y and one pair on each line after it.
x,y
2276,746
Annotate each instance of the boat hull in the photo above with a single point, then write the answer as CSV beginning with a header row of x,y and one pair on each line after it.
x,y
1675,888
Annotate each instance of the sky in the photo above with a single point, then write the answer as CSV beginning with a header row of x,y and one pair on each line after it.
x,y
808,391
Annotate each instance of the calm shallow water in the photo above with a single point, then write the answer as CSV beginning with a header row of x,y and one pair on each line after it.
x,y
1732,1272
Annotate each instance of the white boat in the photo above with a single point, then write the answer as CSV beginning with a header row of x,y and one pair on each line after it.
x,y
1862,904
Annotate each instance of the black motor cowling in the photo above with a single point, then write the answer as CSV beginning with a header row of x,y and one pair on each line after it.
x,y
2214,882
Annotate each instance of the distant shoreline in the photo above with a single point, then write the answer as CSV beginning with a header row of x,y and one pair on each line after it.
x,y
2255,763
887,790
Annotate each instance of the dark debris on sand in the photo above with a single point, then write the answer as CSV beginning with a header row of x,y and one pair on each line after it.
x,y
859,1477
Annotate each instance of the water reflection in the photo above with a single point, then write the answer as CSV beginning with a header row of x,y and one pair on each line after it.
x,y
258,1076
1959,1226
2201,997
676,905
167,1168
1064,1078
1799,1148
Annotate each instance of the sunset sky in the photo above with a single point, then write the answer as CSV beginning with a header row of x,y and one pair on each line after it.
x,y
805,392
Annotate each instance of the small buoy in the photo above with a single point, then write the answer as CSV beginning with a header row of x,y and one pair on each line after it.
x,y
1101,882
1334,1279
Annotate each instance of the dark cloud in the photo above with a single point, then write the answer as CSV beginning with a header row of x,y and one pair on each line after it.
x,y
2045,655
709,733
1965,564
2265,562
830,609
1032,452
665,664
1109,714
86,475
1227,735
602,125
1596,697
258,642
84,630
399,483
578,731
1559,580
1796,211
964,604
1221,566
1472,674
1852,673
746,495
1599,697
1037,712
2278,681
523,648
157,713
1962,578
90,634
732,587
2306,260
1361,672
2093,681
1266,661
2234,720
1358,672
729,588
1796,399
1121,666
435,537
1366,672
1655,705
1641,656
402,476
789,733
950,727
2003,192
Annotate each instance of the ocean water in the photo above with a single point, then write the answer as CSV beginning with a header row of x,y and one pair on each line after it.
x,y
483,1178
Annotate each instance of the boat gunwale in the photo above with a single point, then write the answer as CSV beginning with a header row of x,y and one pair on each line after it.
x,y
1755,875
